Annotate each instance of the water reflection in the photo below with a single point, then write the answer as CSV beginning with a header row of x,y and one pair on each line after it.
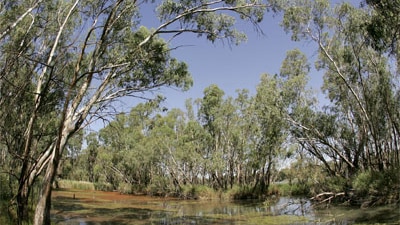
x,y
273,211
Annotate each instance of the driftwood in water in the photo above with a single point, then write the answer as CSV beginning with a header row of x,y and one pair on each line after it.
x,y
326,197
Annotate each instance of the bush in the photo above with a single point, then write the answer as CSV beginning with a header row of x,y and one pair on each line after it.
x,y
103,186
204,192
299,190
243,192
198,192
159,187
325,184
125,188
238,192
377,183
286,189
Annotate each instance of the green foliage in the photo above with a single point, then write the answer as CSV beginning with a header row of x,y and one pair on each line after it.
x,y
193,16
160,187
103,186
374,183
125,188
240,192
151,65
4,217
4,189
286,189
299,189
201,192
383,26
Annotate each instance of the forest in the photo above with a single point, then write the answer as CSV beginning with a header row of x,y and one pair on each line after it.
x,y
64,65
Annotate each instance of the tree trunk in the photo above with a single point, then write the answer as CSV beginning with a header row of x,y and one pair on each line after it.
x,y
28,175
22,202
42,212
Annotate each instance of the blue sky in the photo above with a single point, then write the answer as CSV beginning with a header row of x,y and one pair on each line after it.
x,y
232,67
236,67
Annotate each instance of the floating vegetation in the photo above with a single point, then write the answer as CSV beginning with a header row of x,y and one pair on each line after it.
x,y
75,207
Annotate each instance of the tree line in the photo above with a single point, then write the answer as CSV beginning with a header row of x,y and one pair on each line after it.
x,y
64,64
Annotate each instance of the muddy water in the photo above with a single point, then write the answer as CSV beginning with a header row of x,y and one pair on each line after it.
x,y
73,207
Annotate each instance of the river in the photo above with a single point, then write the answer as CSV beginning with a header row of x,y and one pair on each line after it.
x,y
73,207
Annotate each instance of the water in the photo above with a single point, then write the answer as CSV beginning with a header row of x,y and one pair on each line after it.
x,y
104,208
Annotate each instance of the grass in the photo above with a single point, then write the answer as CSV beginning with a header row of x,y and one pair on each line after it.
x,y
286,189
72,184
197,191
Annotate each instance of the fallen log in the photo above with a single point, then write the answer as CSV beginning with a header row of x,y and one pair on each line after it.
x,y
326,197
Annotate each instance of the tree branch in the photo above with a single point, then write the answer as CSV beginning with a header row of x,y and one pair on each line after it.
x,y
13,25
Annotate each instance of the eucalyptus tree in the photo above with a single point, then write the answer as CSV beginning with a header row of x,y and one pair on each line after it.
x,y
165,138
245,137
210,117
383,28
81,56
70,164
127,142
271,130
359,130
195,142
282,102
91,153
228,123
239,127
227,127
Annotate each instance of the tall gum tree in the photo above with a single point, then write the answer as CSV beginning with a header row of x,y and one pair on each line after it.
x,y
211,117
92,53
358,131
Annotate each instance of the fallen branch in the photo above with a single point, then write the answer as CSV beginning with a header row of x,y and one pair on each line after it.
x,y
326,197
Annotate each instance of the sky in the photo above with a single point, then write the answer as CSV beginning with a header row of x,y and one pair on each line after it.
x,y
232,67
236,67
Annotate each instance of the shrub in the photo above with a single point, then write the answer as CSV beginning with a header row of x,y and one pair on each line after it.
x,y
125,188
198,192
299,190
103,186
236,192
326,184
204,192
286,189
241,192
378,183
159,187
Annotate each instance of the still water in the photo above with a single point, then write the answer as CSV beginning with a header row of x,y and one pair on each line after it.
x,y
105,208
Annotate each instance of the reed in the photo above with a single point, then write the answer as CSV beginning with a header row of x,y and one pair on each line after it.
x,y
73,184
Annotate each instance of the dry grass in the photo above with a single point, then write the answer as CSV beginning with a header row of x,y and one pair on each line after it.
x,y
72,184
